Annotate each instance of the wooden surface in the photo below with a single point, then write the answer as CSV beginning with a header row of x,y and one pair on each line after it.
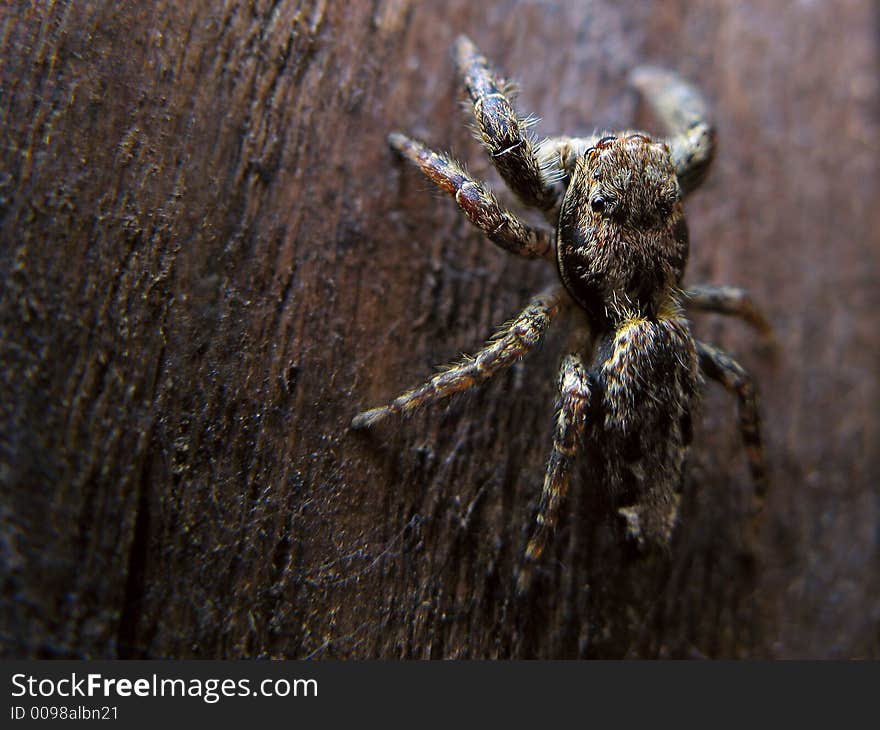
x,y
210,261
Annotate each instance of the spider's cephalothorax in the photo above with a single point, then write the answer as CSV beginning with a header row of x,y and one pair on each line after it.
x,y
629,384
622,241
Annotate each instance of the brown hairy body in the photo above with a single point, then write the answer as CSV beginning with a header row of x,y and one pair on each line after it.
x,y
630,383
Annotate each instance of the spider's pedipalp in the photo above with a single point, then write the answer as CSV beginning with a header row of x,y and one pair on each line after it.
x,y
479,204
728,300
684,112
576,386
512,342
502,131
559,154
718,365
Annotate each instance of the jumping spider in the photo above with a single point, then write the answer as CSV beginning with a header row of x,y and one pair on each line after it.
x,y
632,375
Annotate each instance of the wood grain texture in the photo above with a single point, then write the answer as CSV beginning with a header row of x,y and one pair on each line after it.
x,y
210,261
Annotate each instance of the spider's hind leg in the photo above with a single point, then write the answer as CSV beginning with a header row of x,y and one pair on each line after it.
x,y
514,340
481,207
502,132
719,366
576,387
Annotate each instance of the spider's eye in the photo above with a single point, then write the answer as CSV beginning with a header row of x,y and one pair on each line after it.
x,y
666,205
598,204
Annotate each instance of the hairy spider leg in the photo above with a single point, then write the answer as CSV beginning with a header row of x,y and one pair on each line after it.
x,y
502,132
575,388
684,113
728,300
719,366
479,204
512,341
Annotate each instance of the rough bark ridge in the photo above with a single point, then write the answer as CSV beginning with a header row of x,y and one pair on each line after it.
x,y
210,261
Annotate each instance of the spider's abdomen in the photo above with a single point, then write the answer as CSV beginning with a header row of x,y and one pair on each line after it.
x,y
649,376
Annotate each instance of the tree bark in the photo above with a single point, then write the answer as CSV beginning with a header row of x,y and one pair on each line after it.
x,y
211,261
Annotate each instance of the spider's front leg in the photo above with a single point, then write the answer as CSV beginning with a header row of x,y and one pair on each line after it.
x,y
685,114
576,388
478,203
502,131
513,341
719,366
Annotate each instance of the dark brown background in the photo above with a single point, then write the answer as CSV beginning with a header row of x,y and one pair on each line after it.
x,y
210,261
